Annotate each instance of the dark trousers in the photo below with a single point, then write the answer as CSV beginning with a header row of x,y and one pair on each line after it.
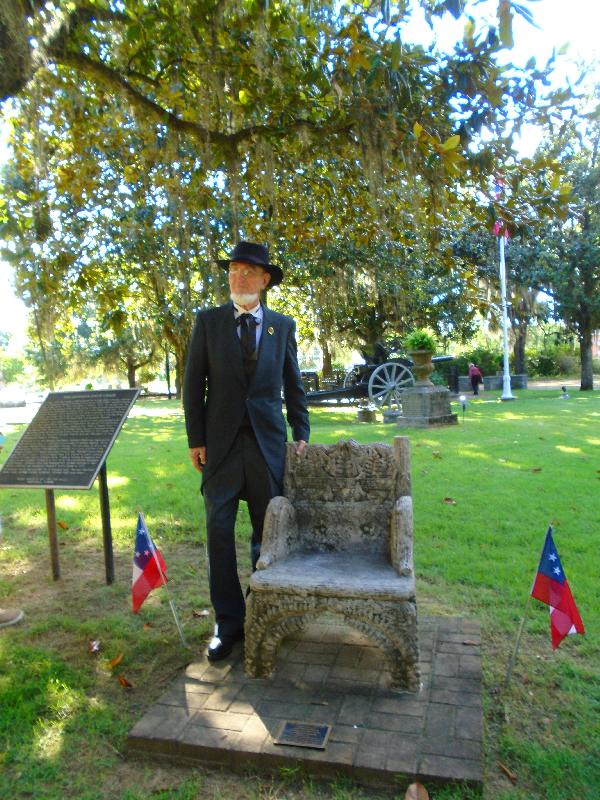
x,y
475,383
243,474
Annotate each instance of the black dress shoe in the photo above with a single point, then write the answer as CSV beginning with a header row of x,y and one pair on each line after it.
x,y
221,645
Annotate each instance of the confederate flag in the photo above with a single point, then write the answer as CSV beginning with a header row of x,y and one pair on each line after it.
x,y
149,567
551,587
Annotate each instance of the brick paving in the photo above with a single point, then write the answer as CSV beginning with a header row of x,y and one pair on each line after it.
x,y
331,675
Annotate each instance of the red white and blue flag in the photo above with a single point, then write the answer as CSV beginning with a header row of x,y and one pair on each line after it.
x,y
551,587
149,568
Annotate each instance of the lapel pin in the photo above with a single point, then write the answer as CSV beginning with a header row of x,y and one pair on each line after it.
x,y
271,330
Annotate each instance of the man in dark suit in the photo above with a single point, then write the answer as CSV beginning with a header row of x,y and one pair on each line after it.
x,y
241,356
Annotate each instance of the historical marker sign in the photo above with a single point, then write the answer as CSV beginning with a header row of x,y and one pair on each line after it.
x,y
68,440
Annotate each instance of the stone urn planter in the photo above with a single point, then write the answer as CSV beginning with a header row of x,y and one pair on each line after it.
x,y
423,366
366,414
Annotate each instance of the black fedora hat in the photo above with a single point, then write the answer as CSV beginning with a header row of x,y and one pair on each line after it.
x,y
257,254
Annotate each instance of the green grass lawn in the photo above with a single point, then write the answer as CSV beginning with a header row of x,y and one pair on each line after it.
x,y
484,493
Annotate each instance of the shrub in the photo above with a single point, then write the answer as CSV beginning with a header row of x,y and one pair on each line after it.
x,y
552,361
420,339
488,361
543,364
567,363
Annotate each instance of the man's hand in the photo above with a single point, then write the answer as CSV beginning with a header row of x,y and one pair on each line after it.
x,y
198,456
300,445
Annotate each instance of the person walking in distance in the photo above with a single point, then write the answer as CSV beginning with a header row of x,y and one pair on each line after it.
x,y
476,377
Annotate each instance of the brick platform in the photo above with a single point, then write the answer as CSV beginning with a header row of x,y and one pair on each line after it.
x,y
215,715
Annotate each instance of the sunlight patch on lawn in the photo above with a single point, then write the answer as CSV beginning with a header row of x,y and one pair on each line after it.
x,y
67,502
471,453
140,410
62,703
565,449
118,480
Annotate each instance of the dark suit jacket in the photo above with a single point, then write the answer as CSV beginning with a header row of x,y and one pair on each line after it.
x,y
216,391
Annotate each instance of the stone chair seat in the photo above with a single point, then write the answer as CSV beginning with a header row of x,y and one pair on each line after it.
x,y
339,541
336,575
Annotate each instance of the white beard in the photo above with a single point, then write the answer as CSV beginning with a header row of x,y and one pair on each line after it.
x,y
245,299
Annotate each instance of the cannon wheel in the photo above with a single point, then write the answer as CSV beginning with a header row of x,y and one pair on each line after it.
x,y
387,382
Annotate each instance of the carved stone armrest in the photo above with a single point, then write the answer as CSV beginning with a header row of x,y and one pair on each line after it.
x,y
280,532
401,536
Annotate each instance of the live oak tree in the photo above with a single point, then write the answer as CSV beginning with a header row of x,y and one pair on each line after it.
x,y
569,266
171,129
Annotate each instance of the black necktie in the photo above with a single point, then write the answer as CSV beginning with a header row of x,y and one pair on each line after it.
x,y
247,323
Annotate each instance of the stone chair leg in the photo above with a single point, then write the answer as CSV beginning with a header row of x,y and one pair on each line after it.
x,y
390,625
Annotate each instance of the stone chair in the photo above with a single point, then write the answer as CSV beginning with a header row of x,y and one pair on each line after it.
x,y
339,542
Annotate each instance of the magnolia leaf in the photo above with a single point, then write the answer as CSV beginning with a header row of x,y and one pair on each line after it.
x,y
204,613
505,14
450,501
147,626
62,524
124,682
470,32
452,142
116,660
417,130
94,646
416,791
396,54
510,775
536,469
244,97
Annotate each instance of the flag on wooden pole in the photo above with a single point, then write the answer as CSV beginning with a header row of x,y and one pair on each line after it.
x,y
551,587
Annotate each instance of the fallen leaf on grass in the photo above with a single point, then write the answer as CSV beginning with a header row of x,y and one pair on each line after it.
x,y
416,791
116,660
470,643
94,646
510,775
62,524
450,501
536,469
147,626
124,682
436,454
204,613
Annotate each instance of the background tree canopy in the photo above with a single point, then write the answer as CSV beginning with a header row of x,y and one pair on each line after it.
x,y
150,136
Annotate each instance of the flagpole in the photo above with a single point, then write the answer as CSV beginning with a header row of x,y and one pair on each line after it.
x,y
506,392
164,583
513,658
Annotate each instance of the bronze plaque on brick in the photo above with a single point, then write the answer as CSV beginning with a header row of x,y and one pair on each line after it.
x,y
68,440
303,734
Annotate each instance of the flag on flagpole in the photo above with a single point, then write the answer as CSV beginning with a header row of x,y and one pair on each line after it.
x,y
149,568
551,587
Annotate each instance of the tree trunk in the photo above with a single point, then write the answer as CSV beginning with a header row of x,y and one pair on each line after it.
x,y
131,368
327,360
585,350
180,361
15,53
520,332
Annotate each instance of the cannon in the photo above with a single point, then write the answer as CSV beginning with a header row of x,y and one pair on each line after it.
x,y
381,378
